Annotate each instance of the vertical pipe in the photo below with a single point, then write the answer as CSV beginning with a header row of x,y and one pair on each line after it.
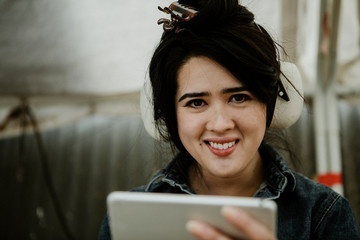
x,y
334,149
319,105
320,133
325,100
334,145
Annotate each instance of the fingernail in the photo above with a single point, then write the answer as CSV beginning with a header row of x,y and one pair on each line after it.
x,y
232,212
228,210
193,226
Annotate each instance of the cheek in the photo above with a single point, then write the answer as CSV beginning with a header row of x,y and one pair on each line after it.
x,y
188,126
256,117
184,125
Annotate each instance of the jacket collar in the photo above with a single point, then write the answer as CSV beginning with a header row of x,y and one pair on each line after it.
x,y
277,174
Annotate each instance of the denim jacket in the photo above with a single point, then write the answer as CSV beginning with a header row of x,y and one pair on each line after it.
x,y
306,209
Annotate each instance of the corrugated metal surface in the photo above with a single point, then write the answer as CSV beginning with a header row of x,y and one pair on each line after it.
x,y
350,144
101,153
87,160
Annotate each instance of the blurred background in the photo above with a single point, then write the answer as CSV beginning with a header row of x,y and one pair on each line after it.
x,y
70,127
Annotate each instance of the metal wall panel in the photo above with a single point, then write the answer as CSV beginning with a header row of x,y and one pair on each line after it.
x,y
87,160
349,115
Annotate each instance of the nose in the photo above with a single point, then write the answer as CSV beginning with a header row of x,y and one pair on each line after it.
x,y
220,120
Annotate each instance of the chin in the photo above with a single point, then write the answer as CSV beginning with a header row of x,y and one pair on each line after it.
x,y
224,173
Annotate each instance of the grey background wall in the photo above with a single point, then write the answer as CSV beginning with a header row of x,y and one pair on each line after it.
x,y
92,49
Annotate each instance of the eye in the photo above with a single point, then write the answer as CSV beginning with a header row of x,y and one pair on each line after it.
x,y
239,98
195,103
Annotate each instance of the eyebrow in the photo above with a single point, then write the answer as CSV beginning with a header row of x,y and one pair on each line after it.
x,y
235,89
204,94
193,95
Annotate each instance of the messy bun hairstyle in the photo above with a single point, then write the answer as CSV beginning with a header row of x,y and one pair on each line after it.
x,y
225,32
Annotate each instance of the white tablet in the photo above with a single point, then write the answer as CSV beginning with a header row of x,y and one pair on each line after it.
x,y
135,215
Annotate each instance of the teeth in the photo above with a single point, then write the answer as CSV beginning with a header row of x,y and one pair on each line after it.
x,y
222,146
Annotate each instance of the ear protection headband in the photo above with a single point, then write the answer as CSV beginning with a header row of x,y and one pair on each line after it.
x,y
286,113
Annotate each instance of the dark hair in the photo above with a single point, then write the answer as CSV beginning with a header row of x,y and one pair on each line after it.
x,y
225,32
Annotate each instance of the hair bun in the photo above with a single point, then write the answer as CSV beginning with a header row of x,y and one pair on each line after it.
x,y
212,12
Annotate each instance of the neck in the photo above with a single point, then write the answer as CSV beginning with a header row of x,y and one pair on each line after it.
x,y
243,185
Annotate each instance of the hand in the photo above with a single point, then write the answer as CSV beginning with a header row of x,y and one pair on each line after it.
x,y
240,219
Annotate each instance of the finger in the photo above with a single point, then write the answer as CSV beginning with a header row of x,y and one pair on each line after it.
x,y
203,231
249,226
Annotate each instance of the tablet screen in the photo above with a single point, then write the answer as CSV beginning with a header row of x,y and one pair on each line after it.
x,y
159,216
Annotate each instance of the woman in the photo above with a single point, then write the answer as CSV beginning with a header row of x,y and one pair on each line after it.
x,y
215,78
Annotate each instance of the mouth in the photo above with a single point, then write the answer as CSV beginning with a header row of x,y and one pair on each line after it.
x,y
222,148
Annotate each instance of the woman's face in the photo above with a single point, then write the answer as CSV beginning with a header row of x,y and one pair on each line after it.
x,y
220,123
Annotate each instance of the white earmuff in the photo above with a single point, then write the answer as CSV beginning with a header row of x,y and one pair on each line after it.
x,y
286,113
147,111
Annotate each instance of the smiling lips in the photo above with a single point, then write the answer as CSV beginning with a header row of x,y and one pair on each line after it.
x,y
222,147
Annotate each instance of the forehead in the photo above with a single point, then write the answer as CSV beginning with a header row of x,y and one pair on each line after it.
x,y
201,73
